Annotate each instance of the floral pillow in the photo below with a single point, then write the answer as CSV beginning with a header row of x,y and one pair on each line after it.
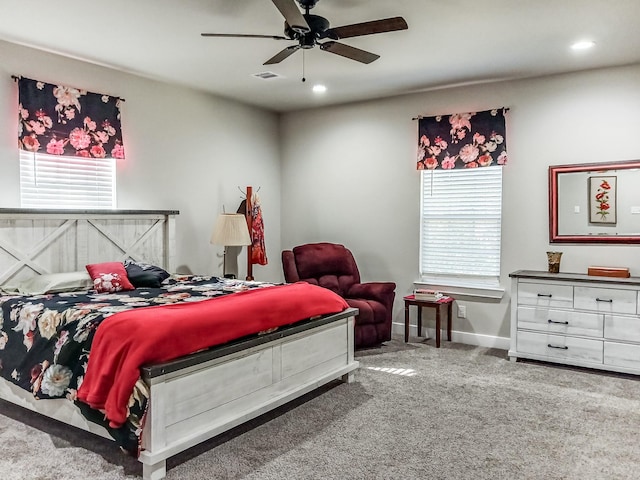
x,y
109,277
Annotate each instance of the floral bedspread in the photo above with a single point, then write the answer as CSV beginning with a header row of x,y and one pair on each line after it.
x,y
45,340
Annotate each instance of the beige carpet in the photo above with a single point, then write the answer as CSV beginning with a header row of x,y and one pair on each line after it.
x,y
414,412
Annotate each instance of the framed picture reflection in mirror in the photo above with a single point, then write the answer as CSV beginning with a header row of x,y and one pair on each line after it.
x,y
602,199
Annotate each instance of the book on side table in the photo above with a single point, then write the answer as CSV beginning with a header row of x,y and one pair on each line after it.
x,y
426,294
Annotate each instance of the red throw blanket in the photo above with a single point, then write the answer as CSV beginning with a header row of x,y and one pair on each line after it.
x,y
128,340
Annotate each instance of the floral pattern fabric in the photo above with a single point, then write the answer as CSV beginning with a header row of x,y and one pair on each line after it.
x,y
462,140
62,120
258,254
45,340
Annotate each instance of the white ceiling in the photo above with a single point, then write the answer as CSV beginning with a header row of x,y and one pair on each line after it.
x,y
449,42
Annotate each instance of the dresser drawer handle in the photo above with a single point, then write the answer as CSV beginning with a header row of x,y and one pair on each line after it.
x,y
560,323
558,347
545,295
604,300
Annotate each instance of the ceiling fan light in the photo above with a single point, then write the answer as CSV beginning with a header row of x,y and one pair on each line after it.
x,y
319,88
583,45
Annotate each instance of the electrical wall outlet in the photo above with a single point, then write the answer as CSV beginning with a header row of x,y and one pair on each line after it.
x,y
462,311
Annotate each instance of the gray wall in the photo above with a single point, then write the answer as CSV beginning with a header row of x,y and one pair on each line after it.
x,y
186,150
349,176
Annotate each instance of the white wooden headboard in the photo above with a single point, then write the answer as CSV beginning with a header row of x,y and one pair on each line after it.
x,y
34,242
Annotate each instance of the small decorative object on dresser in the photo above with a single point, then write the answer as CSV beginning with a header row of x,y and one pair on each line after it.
x,y
609,272
554,261
576,319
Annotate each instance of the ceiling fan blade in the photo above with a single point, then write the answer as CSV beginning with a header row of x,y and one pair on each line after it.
x,y
368,28
243,35
292,15
349,52
280,56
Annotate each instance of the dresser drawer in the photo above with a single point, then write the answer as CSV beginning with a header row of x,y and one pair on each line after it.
x,y
559,347
622,355
545,295
622,327
548,320
605,300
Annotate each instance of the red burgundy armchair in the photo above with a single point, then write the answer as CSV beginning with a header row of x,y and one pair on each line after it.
x,y
332,266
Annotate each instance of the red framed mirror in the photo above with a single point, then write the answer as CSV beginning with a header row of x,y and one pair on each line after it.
x,y
595,203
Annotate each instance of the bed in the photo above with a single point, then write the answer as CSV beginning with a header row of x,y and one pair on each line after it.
x,y
198,395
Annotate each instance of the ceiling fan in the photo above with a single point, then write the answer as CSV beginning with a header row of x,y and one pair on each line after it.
x,y
308,29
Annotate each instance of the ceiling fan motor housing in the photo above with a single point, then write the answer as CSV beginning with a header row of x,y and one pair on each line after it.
x,y
318,25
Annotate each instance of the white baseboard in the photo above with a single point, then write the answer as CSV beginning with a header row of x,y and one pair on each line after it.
x,y
468,338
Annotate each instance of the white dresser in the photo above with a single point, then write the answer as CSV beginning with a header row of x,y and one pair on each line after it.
x,y
576,319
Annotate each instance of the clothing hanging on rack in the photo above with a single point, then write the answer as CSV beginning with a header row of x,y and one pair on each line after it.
x,y
258,250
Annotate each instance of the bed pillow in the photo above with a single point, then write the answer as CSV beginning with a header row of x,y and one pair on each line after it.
x,y
54,283
109,277
144,274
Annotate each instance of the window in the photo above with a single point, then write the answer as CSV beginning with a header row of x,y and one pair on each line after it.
x,y
461,215
69,141
55,181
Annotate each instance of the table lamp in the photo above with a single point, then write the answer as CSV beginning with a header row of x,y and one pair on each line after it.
x,y
229,230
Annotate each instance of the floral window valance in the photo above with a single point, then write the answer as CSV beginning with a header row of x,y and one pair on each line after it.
x,y
62,120
462,140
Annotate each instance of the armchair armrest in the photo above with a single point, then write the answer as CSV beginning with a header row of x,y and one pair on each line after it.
x,y
380,291
289,267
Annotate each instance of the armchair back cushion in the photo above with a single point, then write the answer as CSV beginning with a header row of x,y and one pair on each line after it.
x,y
329,265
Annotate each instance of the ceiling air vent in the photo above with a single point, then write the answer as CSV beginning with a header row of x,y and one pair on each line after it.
x,y
266,75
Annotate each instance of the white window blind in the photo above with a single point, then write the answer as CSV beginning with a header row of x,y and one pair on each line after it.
x,y
53,181
461,216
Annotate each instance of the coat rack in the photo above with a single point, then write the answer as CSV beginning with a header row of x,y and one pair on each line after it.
x,y
249,217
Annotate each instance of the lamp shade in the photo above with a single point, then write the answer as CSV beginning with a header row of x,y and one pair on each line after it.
x,y
231,229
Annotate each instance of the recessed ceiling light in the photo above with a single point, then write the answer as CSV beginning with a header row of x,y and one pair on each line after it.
x,y
583,45
319,89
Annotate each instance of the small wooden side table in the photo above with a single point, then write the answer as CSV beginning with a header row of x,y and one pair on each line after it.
x,y
437,304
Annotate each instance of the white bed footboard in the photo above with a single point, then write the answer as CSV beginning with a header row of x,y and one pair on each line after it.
x,y
242,381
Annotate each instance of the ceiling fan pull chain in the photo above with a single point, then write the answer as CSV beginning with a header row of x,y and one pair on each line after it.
x,y
303,77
